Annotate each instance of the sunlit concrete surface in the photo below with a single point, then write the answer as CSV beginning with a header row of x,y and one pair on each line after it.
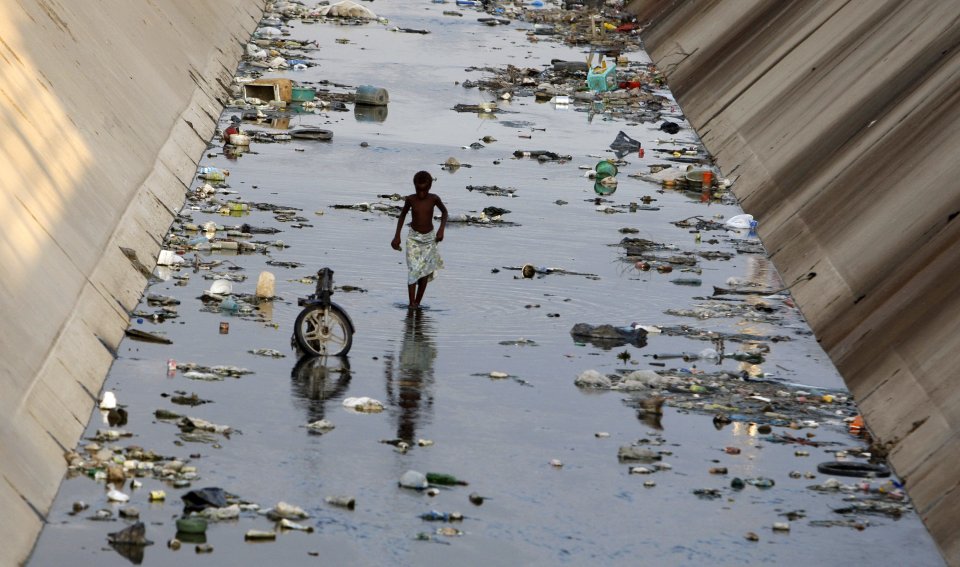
x,y
839,121
105,107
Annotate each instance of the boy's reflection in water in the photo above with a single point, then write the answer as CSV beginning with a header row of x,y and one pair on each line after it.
x,y
319,379
410,376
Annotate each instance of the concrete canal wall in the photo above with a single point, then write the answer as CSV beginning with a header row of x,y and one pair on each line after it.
x,y
840,121
107,106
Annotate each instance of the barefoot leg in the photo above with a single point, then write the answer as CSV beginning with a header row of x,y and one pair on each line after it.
x,y
411,291
421,288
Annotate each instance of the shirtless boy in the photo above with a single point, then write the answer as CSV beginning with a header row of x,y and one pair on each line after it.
x,y
423,258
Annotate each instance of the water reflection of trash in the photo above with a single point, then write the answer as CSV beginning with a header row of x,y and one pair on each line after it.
x,y
369,113
130,542
607,336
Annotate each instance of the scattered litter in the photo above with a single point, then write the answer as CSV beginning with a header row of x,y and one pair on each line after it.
x,y
259,535
363,405
320,426
287,511
348,502
114,495
268,352
134,535
285,524
413,479
609,336
632,453
197,500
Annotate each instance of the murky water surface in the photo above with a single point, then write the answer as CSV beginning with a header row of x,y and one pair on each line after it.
x,y
431,369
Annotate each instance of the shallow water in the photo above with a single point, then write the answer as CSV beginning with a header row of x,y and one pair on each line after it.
x,y
431,369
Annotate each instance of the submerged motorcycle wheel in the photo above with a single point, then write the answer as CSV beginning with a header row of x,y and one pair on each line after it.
x,y
323,332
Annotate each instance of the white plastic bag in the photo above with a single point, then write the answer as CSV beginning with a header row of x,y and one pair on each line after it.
x,y
169,258
739,221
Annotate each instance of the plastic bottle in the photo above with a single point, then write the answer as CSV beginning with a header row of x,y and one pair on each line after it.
x,y
229,305
709,354
342,501
435,516
212,173
413,479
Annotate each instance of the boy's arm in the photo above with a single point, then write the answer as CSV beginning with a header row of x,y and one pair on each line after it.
x,y
443,219
395,244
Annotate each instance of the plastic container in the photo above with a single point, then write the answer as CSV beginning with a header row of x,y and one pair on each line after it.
x,y
192,525
604,181
266,285
699,177
606,169
374,96
302,94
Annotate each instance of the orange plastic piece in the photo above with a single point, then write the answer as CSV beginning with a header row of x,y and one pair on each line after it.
x,y
856,426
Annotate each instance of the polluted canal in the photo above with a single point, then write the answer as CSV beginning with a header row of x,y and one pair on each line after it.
x,y
607,369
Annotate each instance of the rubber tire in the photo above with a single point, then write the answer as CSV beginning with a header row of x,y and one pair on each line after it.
x,y
853,468
315,345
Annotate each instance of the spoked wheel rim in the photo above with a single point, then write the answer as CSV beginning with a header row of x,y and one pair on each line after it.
x,y
325,331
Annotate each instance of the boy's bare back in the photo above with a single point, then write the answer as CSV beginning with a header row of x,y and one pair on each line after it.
x,y
421,205
421,211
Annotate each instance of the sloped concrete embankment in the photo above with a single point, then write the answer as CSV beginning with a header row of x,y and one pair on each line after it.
x,y
106,107
841,123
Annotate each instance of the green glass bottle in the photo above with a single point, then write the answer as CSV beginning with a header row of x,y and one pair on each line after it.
x,y
444,479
